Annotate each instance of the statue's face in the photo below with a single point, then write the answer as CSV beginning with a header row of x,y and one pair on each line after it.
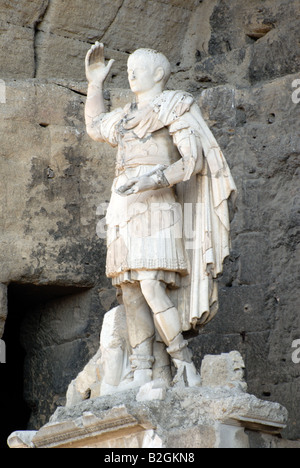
x,y
140,75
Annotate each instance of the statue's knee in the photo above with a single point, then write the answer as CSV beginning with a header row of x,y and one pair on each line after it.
x,y
125,294
150,289
156,295
130,293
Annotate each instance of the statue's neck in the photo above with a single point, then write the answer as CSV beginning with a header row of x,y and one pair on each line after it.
x,y
144,99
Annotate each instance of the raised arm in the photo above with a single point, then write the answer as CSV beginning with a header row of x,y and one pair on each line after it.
x,y
96,73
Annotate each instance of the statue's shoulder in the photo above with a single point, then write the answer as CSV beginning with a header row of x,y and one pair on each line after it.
x,y
172,97
172,104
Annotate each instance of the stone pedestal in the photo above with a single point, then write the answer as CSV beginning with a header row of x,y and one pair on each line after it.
x,y
219,414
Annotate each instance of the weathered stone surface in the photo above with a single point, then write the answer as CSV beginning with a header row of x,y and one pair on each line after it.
x,y
82,21
105,370
57,335
21,439
17,42
186,418
45,205
225,370
46,213
23,12
259,135
266,441
248,43
54,177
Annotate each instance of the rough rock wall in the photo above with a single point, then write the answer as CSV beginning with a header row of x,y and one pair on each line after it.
x,y
240,60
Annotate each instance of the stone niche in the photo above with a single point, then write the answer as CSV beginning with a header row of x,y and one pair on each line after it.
x,y
48,333
218,414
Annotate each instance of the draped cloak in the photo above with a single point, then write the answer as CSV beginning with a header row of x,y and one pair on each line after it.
x,y
203,197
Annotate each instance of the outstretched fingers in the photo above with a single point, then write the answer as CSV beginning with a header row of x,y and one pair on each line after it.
x,y
87,58
96,70
110,64
97,54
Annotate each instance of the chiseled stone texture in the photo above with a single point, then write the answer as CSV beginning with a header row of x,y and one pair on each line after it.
x,y
240,60
187,418
258,313
54,178
218,414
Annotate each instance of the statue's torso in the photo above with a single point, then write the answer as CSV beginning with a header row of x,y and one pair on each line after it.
x,y
154,148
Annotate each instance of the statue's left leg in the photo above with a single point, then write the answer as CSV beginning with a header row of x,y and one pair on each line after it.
x,y
141,332
168,325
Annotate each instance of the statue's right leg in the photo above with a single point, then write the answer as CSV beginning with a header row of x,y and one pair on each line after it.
x,y
168,324
141,332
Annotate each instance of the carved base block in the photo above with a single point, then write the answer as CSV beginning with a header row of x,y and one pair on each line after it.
x,y
202,417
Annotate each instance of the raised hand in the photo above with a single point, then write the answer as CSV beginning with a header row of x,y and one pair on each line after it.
x,y
95,68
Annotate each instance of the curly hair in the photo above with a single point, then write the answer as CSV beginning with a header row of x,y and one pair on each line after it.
x,y
157,59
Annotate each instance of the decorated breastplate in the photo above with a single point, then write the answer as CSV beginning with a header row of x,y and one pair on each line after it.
x,y
154,147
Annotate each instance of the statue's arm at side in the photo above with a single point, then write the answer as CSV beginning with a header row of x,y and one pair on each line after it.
x,y
188,142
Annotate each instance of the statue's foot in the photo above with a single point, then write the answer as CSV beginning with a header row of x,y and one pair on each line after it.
x,y
135,379
154,390
141,377
186,375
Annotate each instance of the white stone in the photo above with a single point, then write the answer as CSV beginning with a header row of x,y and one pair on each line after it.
x,y
155,390
232,437
223,370
151,440
144,219
194,417
81,387
114,347
106,372
21,439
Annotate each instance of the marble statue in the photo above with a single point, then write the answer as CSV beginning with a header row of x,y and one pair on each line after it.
x,y
168,227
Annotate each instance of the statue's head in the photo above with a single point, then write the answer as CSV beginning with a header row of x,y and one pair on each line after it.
x,y
147,68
